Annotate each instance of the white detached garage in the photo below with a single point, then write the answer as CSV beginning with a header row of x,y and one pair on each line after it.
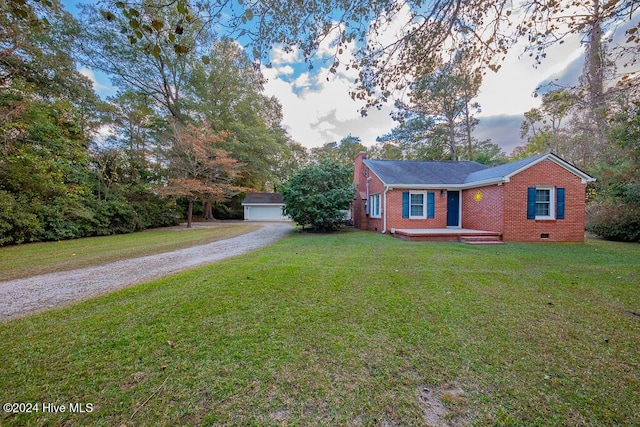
x,y
264,207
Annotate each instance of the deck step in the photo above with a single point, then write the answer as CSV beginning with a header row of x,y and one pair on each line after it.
x,y
482,240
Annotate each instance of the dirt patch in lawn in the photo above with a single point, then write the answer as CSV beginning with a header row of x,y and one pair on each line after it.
x,y
438,405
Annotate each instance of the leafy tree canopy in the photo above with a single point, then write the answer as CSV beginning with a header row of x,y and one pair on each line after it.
x,y
342,152
317,196
391,40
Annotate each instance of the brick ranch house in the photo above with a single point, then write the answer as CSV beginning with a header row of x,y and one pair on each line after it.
x,y
541,198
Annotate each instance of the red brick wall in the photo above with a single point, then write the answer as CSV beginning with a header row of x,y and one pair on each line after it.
x,y
394,215
482,208
375,187
547,173
357,210
360,219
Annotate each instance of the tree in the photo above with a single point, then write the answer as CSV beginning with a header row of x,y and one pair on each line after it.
x,y
43,171
227,92
157,67
395,41
343,152
614,212
415,138
47,115
35,50
136,129
446,96
488,153
544,126
199,170
317,196
386,151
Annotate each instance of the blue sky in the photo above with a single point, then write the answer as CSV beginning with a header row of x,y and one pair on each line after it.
x,y
317,107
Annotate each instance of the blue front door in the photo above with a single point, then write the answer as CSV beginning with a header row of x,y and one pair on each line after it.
x,y
453,208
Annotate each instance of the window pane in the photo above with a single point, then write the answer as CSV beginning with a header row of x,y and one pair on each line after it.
x,y
417,205
542,209
543,195
417,199
375,205
543,202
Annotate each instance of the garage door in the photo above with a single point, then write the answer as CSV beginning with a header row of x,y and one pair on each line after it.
x,y
265,213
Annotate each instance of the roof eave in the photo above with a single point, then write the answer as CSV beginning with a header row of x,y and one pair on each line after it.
x,y
421,186
585,178
486,182
370,169
463,186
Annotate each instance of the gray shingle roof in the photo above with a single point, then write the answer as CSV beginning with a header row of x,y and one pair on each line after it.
x,y
427,173
399,172
501,171
263,198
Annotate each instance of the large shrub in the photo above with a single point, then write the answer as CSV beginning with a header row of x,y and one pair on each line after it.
x,y
317,196
614,211
614,221
17,225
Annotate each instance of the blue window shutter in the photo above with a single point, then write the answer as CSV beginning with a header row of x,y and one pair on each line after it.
x,y
560,203
431,205
531,203
405,204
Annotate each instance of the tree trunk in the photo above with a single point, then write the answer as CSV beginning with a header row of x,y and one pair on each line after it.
x,y
190,213
594,75
207,211
452,139
467,118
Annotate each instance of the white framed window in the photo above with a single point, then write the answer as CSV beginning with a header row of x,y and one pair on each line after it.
x,y
417,205
375,204
545,203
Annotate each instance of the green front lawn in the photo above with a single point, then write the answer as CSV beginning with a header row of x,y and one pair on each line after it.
x,y
38,258
352,328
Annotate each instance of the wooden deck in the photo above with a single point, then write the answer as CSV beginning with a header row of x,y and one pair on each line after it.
x,y
477,237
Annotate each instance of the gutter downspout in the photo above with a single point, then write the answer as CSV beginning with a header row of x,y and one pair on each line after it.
x,y
384,215
367,208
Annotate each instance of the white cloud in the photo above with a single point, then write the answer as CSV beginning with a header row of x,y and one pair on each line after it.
x,y
317,111
287,70
393,27
317,107
280,55
97,86
303,81
511,89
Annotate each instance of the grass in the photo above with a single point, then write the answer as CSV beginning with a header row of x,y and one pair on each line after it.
x,y
346,329
39,258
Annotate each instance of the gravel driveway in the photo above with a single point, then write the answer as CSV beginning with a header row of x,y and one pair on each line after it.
x,y
22,296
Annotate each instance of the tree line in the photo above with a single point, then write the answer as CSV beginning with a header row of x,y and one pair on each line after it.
x,y
181,131
191,129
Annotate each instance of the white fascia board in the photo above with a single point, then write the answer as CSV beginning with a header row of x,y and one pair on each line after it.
x,y
447,186
485,183
558,161
418,186
262,204
581,174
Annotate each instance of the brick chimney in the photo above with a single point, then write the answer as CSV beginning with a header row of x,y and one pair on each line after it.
x,y
359,179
